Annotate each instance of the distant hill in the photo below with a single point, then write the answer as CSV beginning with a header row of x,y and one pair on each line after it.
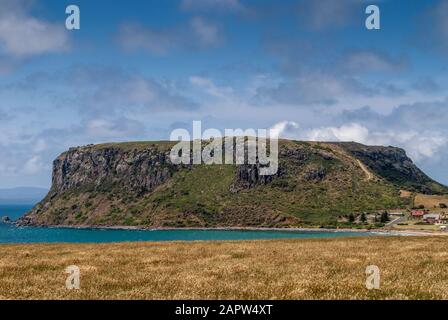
x,y
135,184
22,195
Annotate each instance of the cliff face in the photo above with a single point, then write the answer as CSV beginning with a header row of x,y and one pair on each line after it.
x,y
94,168
394,165
136,184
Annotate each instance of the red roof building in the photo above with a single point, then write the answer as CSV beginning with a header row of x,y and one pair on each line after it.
x,y
417,213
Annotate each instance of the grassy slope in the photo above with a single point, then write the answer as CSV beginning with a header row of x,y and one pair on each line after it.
x,y
271,269
201,196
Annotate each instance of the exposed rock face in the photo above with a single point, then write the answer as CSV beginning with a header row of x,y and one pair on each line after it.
x,y
248,176
136,184
96,168
316,174
299,154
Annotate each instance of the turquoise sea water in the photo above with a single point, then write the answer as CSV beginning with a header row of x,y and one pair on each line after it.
x,y
12,234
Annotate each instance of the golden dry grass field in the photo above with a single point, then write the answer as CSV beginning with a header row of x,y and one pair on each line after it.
x,y
430,201
411,268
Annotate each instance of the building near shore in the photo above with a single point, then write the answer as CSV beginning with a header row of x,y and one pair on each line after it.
x,y
417,213
432,218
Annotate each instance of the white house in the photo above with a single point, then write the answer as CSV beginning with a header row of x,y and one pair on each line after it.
x,y
432,217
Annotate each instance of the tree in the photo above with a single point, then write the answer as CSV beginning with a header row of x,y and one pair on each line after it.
x,y
363,218
384,217
351,218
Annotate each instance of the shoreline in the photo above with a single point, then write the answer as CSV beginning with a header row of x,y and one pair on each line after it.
x,y
255,229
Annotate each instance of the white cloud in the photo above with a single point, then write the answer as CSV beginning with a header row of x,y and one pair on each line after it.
x,y
133,36
198,33
95,91
34,165
210,88
6,169
140,91
286,129
328,13
22,35
312,88
206,32
117,128
360,61
40,145
349,132
419,145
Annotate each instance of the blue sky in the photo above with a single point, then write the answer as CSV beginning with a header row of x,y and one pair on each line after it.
x,y
136,70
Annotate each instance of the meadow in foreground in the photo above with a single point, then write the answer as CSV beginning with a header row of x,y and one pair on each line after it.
x,y
411,268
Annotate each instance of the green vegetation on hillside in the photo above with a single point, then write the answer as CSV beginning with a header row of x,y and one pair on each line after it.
x,y
319,184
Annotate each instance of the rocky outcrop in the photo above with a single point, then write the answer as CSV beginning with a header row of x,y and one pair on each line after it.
x,y
93,168
5,219
315,173
136,184
395,166
248,176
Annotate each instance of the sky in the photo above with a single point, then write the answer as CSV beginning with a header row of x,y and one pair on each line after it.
x,y
136,70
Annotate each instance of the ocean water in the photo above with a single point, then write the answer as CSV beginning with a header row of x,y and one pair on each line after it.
x,y
14,211
12,234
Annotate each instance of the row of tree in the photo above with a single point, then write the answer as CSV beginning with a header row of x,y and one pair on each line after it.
x,y
383,218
